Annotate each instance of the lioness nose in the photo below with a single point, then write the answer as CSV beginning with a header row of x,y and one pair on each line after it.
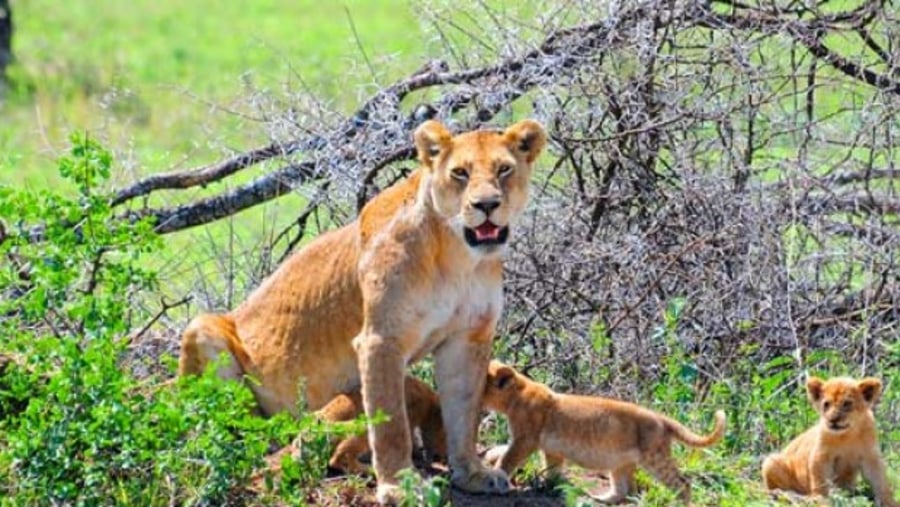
x,y
487,205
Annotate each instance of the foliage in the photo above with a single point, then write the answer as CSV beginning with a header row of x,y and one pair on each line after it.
x,y
76,427
419,492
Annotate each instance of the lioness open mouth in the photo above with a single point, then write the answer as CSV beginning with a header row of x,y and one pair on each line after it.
x,y
486,234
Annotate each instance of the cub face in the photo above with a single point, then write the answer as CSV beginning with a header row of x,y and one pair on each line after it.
x,y
842,402
479,180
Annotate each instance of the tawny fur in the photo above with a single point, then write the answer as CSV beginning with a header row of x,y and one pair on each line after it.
x,y
592,432
359,303
841,445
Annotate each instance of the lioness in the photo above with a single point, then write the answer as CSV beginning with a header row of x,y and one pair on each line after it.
x,y
593,432
419,271
834,451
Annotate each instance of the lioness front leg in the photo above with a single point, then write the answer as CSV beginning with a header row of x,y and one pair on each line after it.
x,y
381,367
461,369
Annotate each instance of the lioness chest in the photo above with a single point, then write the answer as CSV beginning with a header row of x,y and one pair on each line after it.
x,y
463,304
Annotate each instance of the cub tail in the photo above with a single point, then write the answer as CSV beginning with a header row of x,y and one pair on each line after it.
x,y
694,440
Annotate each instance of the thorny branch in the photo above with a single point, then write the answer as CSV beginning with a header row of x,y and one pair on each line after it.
x,y
727,158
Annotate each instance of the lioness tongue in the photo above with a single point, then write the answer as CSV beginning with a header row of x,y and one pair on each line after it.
x,y
487,230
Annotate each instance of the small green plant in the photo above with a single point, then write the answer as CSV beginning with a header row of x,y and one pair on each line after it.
x,y
420,492
677,384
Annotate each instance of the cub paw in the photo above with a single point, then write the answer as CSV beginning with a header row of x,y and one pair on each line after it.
x,y
482,480
493,455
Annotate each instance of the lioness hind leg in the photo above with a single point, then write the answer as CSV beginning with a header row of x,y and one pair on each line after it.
x,y
206,338
663,467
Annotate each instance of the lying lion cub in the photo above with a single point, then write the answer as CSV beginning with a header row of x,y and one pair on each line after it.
x,y
593,432
423,411
842,444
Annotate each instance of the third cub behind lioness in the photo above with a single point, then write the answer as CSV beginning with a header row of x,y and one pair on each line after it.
x,y
835,450
593,432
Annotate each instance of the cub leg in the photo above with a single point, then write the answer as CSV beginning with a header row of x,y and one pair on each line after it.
x,y
821,472
517,453
553,465
873,471
461,364
621,483
662,465
777,475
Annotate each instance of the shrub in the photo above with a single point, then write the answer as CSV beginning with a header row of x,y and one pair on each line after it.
x,y
75,427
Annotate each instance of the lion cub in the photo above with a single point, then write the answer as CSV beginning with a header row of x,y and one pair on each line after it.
x,y
593,432
423,411
842,444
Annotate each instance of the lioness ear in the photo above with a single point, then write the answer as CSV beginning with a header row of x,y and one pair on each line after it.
x,y
870,388
814,388
431,139
504,377
526,137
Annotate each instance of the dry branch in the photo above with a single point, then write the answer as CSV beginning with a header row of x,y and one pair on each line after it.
x,y
695,162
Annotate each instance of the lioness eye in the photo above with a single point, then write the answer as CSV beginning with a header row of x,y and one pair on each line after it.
x,y
827,405
848,404
460,174
505,170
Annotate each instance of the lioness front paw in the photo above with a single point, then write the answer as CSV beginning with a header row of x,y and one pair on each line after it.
x,y
388,494
482,480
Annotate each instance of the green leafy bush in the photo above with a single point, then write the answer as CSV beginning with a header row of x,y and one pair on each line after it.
x,y
75,427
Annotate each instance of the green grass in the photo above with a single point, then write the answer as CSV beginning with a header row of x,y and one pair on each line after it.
x,y
145,75
167,86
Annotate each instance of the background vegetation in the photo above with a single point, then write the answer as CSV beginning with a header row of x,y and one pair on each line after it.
x,y
716,219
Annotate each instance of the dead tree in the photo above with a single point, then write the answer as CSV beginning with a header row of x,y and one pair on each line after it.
x,y
6,31
723,177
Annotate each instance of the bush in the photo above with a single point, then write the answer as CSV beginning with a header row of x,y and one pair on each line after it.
x,y
75,427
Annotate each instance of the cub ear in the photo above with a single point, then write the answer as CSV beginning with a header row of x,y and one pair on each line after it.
x,y
504,377
432,137
814,387
870,388
527,138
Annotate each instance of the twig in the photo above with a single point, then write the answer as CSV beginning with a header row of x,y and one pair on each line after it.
x,y
166,306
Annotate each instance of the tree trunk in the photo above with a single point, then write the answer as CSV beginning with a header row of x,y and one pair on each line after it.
x,y
6,30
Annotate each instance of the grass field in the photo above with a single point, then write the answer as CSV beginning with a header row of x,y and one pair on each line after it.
x,y
155,80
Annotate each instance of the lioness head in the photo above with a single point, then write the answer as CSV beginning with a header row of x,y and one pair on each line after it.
x,y
499,390
478,180
842,401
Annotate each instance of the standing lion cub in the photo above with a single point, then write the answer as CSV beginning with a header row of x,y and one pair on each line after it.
x,y
834,451
593,432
